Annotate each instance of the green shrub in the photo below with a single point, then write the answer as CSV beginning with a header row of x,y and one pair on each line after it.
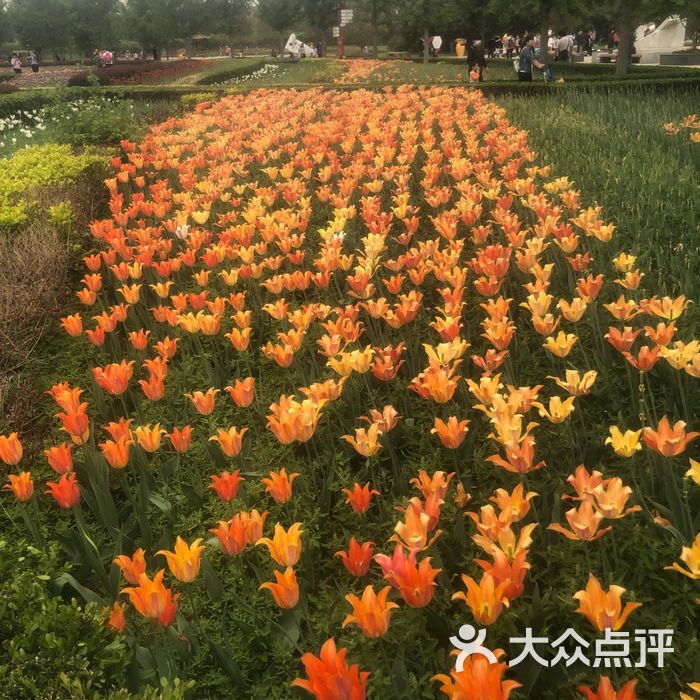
x,y
37,167
49,647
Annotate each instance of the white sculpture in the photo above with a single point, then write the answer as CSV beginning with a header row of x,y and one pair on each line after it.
x,y
298,48
668,36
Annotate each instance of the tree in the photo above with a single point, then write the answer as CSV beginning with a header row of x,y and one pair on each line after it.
x,y
427,17
280,15
90,23
233,16
321,15
378,12
4,23
38,24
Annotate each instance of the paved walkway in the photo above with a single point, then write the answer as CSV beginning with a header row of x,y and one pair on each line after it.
x,y
49,76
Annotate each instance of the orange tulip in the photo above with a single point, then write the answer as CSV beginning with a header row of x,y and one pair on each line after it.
x,y
435,485
452,433
666,440
603,609
519,457
60,458
558,410
73,325
330,677
479,678
10,449
286,590
690,556
233,534
76,424
242,392
180,438
226,485
114,378
167,347
116,453
360,497
485,599
254,525
203,403
436,383
415,582
611,498
230,441
584,523
358,557
666,308
120,429
149,436
116,618
139,339
185,560
153,600
576,384
284,547
606,690
413,532
366,440
623,340
386,421
371,613
21,486
132,567
646,358
514,506
511,572
561,345
279,485
387,363
65,491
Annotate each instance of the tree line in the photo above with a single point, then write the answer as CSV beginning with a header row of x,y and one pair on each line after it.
x,y
80,26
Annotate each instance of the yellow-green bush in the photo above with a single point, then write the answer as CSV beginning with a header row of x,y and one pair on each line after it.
x,y
33,168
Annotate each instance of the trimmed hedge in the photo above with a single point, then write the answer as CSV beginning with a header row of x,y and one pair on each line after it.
x,y
33,99
583,71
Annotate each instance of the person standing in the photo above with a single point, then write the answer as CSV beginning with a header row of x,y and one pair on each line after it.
x,y
510,46
527,60
476,60
34,62
563,47
16,64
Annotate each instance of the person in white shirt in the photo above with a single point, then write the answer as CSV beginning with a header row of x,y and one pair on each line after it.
x,y
563,48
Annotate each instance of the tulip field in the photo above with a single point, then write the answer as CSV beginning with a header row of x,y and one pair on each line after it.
x,y
354,370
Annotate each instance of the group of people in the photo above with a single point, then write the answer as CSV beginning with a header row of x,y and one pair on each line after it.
x,y
564,45
103,57
32,62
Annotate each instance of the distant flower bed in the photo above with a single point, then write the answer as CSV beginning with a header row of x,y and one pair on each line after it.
x,y
137,73
266,71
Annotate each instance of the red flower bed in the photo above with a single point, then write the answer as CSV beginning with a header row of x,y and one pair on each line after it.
x,y
138,73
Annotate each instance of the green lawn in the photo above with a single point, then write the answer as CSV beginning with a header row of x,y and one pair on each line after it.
x,y
615,149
